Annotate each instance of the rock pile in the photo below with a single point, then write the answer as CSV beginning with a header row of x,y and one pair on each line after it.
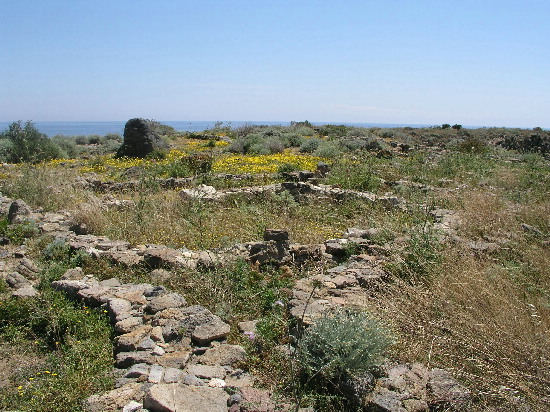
x,y
168,356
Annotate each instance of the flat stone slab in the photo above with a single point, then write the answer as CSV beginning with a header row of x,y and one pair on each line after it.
x,y
206,371
216,329
223,355
173,397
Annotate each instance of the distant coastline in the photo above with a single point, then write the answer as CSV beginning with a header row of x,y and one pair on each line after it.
x,y
102,128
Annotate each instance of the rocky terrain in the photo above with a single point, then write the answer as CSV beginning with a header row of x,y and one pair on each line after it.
x,y
422,254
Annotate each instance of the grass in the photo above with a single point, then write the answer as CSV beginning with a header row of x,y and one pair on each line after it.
x,y
72,343
483,315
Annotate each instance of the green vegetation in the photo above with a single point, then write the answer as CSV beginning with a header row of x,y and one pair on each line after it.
x,y
71,345
482,312
24,143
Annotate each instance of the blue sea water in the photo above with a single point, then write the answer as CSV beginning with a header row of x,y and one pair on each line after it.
x,y
102,128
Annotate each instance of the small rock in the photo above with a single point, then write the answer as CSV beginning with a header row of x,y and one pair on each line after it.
x,y
223,355
216,329
176,359
172,375
159,303
146,344
158,350
216,383
137,370
25,292
128,324
206,371
160,275
118,309
192,380
16,280
155,374
132,406
73,274
445,390
114,400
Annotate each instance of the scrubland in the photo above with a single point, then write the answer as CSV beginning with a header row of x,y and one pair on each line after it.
x,y
482,312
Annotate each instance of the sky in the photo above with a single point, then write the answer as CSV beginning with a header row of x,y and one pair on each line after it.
x,y
471,62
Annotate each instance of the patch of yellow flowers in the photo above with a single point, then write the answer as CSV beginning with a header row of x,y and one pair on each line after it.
x,y
253,164
226,163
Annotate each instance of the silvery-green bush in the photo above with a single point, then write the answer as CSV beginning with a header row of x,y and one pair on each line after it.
x,y
342,343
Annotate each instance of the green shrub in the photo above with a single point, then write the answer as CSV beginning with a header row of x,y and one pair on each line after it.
x,y
310,145
341,344
332,130
355,175
18,232
28,144
328,149
472,145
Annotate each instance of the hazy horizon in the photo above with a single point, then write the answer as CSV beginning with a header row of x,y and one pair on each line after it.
x,y
425,62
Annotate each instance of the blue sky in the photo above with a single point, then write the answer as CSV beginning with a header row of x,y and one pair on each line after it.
x,y
479,62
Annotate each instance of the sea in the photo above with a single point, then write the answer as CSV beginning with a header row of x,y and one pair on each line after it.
x,y
102,128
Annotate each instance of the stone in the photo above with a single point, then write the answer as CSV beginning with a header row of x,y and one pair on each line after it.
x,y
118,309
126,259
70,287
384,400
128,324
172,397
138,370
223,355
155,374
217,383
444,390
192,380
206,371
28,268
257,400
147,344
172,375
407,378
19,212
73,274
215,329
155,291
276,234
156,334
159,303
344,281
140,139
239,379
416,405
130,341
202,192
16,280
132,406
158,350
25,292
115,399
176,359
126,359
157,258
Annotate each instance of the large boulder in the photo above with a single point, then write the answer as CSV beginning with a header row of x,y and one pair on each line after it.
x,y
140,139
